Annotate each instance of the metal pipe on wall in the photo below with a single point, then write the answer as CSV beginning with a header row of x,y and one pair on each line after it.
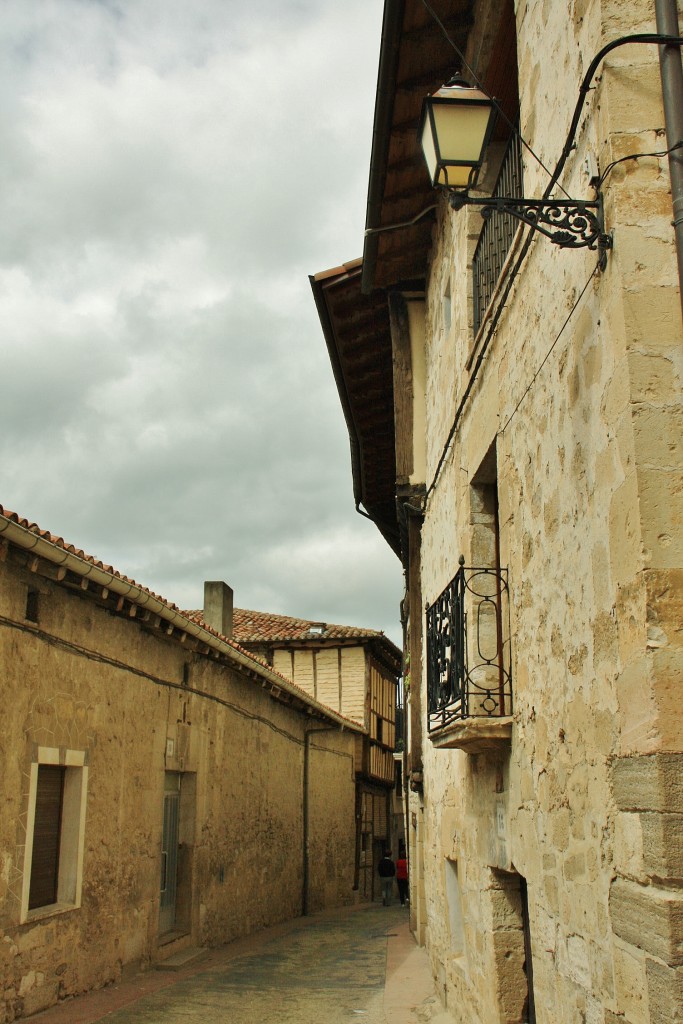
x,y
672,93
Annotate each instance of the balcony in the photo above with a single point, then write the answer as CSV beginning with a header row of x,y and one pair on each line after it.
x,y
469,682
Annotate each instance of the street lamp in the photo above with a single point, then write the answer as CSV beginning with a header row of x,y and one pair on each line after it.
x,y
454,132
455,129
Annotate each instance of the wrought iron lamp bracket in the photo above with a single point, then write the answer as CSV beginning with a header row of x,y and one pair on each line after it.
x,y
569,223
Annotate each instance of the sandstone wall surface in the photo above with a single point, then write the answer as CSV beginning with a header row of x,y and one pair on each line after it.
x,y
138,707
579,395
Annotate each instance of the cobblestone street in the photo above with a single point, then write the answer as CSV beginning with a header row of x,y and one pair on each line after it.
x,y
359,964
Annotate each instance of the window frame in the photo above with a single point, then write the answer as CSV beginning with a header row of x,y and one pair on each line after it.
x,y
72,831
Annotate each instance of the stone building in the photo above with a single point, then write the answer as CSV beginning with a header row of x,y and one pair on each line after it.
x,y
163,788
355,672
514,409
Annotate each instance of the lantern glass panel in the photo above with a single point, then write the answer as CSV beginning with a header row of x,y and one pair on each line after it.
x,y
429,149
461,131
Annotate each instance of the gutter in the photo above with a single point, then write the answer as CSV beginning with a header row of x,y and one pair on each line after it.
x,y
26,539
392,26
317,287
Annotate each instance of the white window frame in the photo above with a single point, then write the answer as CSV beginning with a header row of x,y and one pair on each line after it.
x,y
72,833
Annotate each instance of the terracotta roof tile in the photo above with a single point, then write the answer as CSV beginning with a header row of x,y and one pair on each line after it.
x,y
252,627
248,626
71,549
194,616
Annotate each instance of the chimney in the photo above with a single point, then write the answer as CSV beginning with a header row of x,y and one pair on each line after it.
x,y
218,607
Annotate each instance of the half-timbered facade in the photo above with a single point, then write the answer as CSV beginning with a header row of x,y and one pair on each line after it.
x,y
355,671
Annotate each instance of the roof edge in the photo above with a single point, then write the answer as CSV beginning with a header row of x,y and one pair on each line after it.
x,y
392,25
24,537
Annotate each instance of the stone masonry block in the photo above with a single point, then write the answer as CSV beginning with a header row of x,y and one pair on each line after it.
x,y
40,998
665,993
506,909
653,782
649,918
630,985
663,844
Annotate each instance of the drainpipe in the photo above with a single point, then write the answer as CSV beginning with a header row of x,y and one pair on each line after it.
x,y
672,94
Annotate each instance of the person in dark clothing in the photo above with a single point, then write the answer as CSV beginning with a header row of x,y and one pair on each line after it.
x,y
402,879
386,871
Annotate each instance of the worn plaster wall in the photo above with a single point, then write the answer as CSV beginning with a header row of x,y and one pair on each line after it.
x,y
84,680
584,810
331,855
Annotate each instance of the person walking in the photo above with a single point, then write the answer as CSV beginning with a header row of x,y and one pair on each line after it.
x,y
402,879
386,871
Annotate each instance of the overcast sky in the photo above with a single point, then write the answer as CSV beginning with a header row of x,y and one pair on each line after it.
x,y
171,171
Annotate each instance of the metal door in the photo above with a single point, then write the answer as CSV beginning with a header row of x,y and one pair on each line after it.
x,y
169,853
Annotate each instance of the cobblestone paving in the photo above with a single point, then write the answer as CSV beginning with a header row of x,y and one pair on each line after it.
x,y
330,970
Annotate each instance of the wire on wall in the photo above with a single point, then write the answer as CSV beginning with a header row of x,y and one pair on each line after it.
x,y
103,659
570,143
473,75
570,314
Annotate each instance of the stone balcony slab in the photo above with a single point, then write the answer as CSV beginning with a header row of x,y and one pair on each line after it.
x,y
475,735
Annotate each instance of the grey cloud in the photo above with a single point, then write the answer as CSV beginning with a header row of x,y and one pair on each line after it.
x,y
173,172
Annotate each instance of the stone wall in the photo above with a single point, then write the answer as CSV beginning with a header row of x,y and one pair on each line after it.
x,y
135,706
581,819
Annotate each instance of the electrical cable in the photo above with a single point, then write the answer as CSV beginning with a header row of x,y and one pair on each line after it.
x,y
645,37
531,383
651,38
501,113
636,156
402,223
103,659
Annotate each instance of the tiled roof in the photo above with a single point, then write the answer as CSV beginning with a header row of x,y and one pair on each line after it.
x,y
59,542
252,627
175,614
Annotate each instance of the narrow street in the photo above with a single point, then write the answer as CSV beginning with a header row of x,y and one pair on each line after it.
x,y
357,964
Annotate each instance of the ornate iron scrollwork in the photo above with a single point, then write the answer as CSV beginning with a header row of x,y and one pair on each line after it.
x,y
468,674
569,223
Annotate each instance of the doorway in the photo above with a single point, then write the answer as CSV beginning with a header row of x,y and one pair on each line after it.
x,y
169,853
529,1010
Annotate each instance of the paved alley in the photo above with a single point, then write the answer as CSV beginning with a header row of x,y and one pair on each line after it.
x,y
357,964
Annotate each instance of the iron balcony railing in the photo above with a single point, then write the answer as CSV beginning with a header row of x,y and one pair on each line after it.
x,y
497,233
468,648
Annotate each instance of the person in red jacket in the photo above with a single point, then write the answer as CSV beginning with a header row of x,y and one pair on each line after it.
x,y
402,879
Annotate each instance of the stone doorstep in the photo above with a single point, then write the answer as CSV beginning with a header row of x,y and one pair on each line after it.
x,y
474,735
177,961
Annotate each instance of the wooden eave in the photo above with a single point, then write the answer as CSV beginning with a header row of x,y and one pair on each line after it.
x,y
416,58
358,337
383,651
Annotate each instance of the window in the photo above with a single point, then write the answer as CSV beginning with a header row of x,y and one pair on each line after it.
x,y
455,916
32,605
468,626
53,855
47,825
497,234
503,175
